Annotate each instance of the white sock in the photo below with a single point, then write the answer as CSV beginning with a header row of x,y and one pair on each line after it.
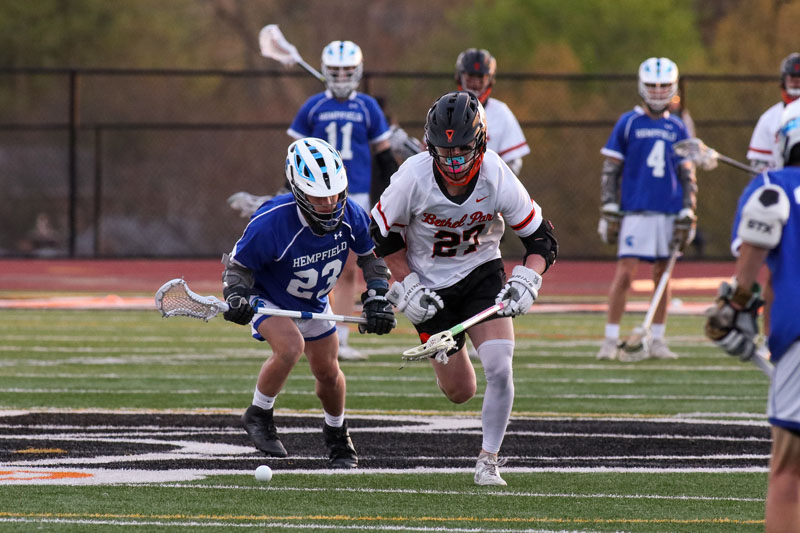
x,y
262,400
334,421
344,333
657,331
612,331
498,398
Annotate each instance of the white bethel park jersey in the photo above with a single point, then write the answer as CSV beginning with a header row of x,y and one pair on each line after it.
x,y
504,134
765,136
445,241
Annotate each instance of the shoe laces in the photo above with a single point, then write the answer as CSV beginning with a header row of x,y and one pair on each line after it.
x,y
491,464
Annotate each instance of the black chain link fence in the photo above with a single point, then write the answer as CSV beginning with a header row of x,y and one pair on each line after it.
x,y
135,163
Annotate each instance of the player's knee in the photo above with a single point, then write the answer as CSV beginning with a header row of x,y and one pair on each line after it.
x,y
496,356
462,393
623,279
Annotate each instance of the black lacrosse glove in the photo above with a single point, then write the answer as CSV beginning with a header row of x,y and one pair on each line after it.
x,y
239,309
734,329
377,309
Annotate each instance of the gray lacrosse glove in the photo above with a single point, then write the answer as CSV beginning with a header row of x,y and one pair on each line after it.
x,y
415,301
520,292
734,330
684,228
610,220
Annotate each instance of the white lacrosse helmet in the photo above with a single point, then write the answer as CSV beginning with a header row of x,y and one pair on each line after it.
x,y
658,82
788,133
342,66
315,172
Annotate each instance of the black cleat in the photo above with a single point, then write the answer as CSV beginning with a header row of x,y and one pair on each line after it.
x,y
259,425
340,447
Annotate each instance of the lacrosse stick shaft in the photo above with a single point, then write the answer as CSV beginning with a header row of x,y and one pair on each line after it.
x,y
311,70
760,360
486,313
736,164
659,292
305,315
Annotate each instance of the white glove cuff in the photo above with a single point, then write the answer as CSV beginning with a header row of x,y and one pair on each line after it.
x,y
527,277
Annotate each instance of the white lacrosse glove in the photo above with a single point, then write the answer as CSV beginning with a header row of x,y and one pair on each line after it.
x,y
608,226
520,292
410,297
684,228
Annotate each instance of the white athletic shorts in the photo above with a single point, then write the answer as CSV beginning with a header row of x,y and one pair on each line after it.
x,y
783,407
362,199
645,235
311,330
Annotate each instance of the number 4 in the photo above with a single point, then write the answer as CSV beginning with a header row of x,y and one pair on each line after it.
x,y
656,159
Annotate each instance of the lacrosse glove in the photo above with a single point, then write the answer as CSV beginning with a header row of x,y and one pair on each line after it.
x,y
377,309
239,309
415,301
520,292
608,226
684,228
734,330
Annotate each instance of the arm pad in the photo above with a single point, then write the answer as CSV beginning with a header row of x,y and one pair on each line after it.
x,y
385,245
236,278
612,171
374,268
763,217
688,179
542,242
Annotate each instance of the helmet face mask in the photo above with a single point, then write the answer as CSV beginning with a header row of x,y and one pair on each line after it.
x,y
475,71
658,82
342,66
790,77
788,133
318,181
455,132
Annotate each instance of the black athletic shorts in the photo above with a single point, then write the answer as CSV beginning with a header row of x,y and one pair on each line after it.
x,y
465,299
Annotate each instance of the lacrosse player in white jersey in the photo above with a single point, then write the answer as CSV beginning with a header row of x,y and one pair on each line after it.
x,y
444,207
767,229
760,153
648,199
475,71
290,256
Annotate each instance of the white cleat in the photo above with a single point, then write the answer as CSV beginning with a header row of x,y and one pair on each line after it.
x,y
660,350
348,353
608,351
487,472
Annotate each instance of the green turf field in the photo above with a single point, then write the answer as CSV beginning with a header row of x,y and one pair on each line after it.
x,y
562,475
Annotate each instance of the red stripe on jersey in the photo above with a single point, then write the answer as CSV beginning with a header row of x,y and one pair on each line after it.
x,y
527,219
760,151
520,145
386,222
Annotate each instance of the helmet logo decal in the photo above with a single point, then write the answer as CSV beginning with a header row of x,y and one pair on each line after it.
x,y
449,134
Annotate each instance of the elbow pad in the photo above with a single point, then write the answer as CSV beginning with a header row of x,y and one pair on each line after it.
x,y
236,278
763,217
542,242
612,170
385,245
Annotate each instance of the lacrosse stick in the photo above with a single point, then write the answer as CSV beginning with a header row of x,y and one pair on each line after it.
x,y
175,298
275,46
760,359
632,348
443,342
706,158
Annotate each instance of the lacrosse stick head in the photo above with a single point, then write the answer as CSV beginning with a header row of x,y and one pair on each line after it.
x,y
633,348
274,45
441,342
174,298
697,152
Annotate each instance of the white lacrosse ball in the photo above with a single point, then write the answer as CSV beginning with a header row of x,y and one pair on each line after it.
x,y
263,473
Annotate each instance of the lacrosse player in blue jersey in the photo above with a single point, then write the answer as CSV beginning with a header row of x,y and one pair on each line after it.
x,y
767,228
648,198
354,124
290,256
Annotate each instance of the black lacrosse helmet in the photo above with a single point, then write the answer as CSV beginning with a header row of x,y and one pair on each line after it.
x,y
790,66
456,122
476,62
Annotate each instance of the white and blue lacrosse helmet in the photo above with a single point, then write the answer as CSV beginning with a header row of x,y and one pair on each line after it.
x,y
658,82
342,66
318,181
788,133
